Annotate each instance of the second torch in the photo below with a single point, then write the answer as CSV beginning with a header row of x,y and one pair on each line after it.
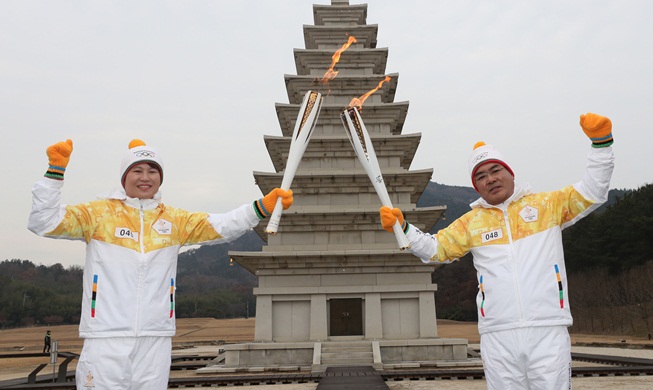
x,y
362,144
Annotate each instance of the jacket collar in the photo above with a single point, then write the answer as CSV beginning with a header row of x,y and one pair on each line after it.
x,y
521,190
119,194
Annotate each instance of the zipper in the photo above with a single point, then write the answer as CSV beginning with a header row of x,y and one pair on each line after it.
x,y
514,265
142,224
141,219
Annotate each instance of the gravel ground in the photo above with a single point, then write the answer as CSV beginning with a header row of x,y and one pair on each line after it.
x,y
598,383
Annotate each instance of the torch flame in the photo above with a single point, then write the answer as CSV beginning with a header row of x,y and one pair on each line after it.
x,y
358,102
331,74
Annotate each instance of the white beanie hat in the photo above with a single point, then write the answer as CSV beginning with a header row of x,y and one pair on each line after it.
x,y
139,153
482,154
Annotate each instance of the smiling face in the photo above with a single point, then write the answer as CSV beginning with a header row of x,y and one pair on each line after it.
x,y
142,181
494,182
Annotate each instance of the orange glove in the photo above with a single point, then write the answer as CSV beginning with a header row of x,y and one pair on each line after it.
x,y
390,216
59,156
598,128
266,204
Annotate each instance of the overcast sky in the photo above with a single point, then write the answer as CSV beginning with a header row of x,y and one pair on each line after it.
x,y
198,80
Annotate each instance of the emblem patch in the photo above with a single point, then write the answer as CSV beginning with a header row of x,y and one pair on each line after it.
x,y
162,226
529,214
89,380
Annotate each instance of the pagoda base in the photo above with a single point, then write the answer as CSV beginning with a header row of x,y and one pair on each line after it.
x,y
317,356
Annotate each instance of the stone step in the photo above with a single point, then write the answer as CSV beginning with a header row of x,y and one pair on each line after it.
x,y
347,355
364,348
347,362
342,354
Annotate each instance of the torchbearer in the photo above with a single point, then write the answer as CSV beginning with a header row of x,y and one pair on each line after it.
x,y
515,237
306,120
132,243
362,143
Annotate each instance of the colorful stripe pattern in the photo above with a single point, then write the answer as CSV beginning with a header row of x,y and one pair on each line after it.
x,y
172,297
562,301
602,142
260,209
55,172
480,286
94,296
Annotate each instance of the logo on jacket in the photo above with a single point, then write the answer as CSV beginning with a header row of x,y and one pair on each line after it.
x,y
126,233
89,380
529,214
162,226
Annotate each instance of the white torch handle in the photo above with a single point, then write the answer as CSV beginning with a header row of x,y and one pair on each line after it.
x,y
402,240
362,144
382,192
286,182
273,223
309,111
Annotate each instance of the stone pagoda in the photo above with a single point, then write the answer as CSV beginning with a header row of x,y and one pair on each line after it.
x,y
333,287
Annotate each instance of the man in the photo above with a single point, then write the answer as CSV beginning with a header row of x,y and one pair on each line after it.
x,y
132,243
515,237
47,342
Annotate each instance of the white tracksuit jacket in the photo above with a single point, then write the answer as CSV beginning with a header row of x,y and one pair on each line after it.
x,y
131,254
517,248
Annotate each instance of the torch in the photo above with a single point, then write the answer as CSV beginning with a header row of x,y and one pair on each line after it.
x,y
309,111
360,140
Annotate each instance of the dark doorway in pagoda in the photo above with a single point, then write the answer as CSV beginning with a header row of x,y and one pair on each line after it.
x,y
346,317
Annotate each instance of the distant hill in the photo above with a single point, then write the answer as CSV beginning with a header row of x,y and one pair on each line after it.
x,y
209,285
456,198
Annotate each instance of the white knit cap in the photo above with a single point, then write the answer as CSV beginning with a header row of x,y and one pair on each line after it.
x,y
139,153
482,154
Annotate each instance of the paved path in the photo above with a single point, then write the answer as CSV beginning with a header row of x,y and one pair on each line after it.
x,y
352,378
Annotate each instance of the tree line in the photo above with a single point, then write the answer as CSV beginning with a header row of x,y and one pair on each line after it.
x,y
610,264
208,285
609,257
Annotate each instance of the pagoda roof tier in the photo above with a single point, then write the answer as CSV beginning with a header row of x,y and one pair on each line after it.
x,y
392,114
334,36
321,148
343,89
346,182
321,262
320,219
316,62
339,14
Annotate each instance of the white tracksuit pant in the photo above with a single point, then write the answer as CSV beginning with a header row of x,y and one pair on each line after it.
x,y
125,363
533,358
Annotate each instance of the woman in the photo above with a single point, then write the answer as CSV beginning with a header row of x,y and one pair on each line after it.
x,y
128,305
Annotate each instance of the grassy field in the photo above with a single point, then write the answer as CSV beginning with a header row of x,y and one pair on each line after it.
x,y
189,331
